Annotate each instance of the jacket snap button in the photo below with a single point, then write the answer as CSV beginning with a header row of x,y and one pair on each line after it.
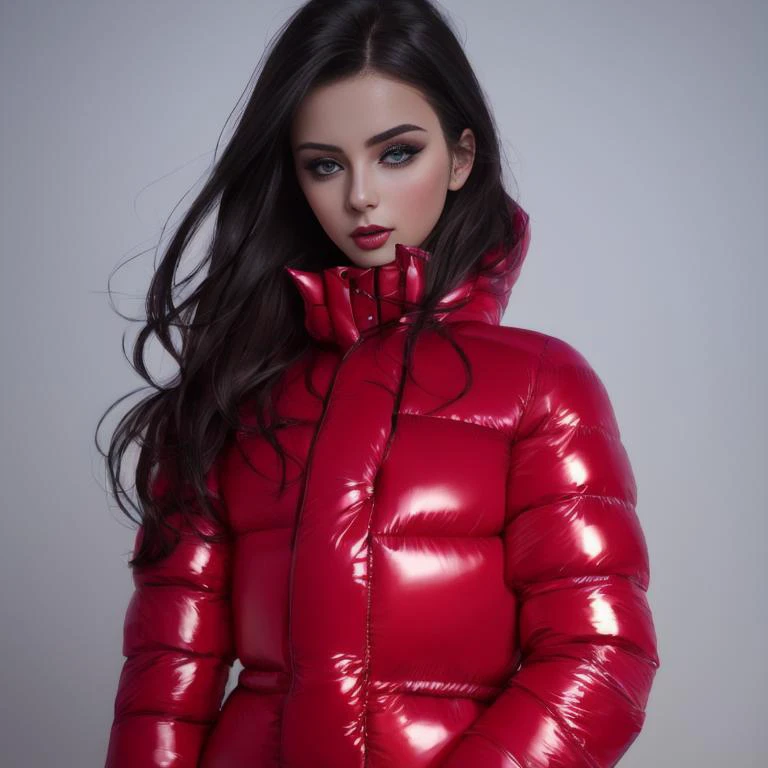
x,y
343,272
370,317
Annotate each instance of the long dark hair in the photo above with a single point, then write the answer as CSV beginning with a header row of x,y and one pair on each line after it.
x,y
242,326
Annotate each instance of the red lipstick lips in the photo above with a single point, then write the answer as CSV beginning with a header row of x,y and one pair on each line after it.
x,y
370,237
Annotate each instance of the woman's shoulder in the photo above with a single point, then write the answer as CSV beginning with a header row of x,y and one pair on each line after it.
x,y
540,365
536,347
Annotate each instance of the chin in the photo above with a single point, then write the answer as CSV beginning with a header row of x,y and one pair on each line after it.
x,y
372,258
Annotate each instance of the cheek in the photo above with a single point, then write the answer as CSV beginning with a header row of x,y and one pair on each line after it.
x,y
320,202
312,192
425,191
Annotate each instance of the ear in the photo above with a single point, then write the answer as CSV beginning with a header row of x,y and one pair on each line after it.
x,y
462,160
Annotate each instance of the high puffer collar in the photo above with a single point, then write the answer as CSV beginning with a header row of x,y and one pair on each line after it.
x,y
343,302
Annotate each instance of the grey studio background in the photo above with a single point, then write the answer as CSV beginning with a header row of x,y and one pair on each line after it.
x,y
636,134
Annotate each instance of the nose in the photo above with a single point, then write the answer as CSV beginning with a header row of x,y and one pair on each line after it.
x,y
362,194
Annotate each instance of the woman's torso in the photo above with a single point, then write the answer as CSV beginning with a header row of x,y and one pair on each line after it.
x,y
370,606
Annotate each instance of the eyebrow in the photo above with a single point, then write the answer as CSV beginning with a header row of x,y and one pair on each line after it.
x,y
377,139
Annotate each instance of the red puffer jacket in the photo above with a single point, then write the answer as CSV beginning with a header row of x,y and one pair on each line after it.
x,y
458,585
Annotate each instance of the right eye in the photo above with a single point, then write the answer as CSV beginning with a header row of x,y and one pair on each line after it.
x,y
315,165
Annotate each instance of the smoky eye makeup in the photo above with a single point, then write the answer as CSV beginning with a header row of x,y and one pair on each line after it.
x,y
401,148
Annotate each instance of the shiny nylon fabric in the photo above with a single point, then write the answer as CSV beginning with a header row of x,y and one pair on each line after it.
x,y
456,585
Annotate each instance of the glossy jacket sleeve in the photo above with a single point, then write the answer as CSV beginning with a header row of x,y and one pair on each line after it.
x,y
177,640
576,557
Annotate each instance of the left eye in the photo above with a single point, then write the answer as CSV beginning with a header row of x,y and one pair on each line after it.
x,y
399,149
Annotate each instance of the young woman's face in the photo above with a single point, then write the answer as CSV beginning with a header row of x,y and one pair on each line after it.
x,y
361,177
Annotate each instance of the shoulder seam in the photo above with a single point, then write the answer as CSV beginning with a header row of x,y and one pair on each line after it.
x,y
535,386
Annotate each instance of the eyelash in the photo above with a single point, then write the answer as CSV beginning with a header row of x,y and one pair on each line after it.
x,y
409,148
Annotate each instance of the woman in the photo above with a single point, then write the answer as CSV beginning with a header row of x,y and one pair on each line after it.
x,y
413,526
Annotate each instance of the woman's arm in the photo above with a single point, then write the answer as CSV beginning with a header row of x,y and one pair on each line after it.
x,y
178,642
576,557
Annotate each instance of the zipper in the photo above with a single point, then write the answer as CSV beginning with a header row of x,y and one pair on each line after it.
x,y
297,525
